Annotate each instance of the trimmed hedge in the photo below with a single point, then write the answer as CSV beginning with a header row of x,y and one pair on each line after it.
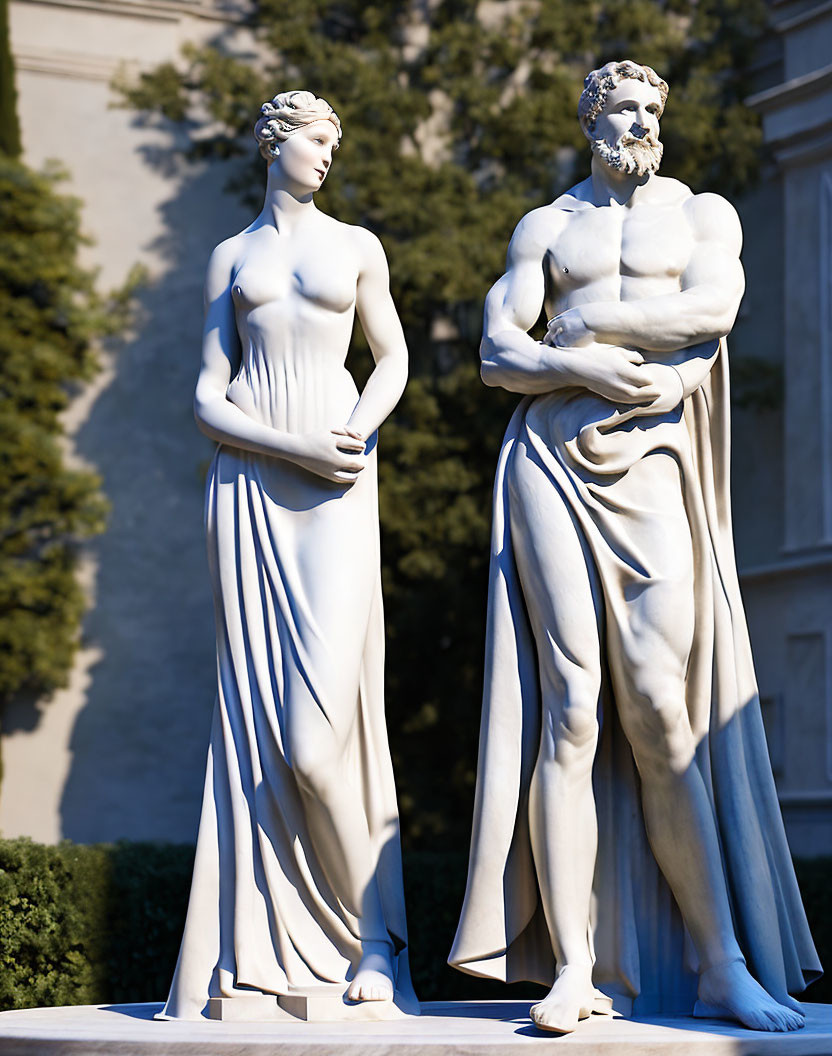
x,y
101,923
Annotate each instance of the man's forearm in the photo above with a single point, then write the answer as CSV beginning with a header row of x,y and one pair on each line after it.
x,y
663,324
514,361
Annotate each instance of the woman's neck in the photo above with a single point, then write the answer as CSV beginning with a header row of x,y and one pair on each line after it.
x,y
285,209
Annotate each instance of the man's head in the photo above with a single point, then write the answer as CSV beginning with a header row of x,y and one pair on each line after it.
x,y
619,111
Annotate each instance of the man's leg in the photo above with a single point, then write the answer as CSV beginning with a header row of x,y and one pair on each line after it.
x,y
649,653
563,602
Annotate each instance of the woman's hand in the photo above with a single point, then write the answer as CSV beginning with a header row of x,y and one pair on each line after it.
x,y
334,454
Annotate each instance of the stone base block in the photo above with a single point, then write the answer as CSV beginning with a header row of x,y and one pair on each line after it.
x,y
316,1005
463,1028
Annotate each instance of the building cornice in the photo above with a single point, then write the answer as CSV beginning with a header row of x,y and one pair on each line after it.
x,y
153,10
794,91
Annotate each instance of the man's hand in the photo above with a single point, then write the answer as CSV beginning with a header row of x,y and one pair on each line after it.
x,y
569,330
668,383
617,374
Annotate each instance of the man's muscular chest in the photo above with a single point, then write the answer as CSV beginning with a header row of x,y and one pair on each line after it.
x,y
610,252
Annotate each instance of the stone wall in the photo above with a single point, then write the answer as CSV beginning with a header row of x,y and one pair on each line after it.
x,y
121,752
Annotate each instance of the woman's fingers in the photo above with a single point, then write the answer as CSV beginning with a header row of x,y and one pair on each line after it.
x,y
346,430
349,443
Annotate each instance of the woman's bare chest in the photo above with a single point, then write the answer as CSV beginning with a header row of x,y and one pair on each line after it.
x,y
296,273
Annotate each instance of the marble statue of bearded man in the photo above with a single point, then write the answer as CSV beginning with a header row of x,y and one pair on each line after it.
x,y
628,847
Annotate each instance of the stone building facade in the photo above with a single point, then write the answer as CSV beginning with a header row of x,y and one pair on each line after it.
x,y
120,753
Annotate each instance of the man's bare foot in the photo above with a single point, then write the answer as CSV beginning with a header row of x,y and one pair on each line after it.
x,y
727,991
570,999
374,979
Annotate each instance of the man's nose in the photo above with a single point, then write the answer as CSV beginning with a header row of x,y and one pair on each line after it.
x,y
639,131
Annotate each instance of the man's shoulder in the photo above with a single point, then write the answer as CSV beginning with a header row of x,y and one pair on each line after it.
x,y
710,209
547,221
712,218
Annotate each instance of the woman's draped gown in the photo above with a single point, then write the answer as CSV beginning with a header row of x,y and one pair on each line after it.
x,y
294,562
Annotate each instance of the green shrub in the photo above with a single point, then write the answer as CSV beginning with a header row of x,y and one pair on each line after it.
x,y
53,908
89,924
101,924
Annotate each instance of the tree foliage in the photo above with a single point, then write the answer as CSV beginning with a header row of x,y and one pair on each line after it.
x,y
51,317
453,129
9,127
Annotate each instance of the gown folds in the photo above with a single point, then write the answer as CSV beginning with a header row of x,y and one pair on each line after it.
x,y
602,459
294,562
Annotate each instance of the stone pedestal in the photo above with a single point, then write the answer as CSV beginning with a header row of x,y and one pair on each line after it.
x,y
321,1004
462,1028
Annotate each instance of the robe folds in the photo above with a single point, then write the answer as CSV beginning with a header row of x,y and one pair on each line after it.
x,y
584,447
295,569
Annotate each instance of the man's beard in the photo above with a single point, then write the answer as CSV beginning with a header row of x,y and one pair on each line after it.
x,y
630,155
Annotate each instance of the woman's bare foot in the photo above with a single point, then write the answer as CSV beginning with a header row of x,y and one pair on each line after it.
x,y
727,991
374,979
570,999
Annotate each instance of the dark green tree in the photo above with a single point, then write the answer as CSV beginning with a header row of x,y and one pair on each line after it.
x,y
51,319
9,127
454,128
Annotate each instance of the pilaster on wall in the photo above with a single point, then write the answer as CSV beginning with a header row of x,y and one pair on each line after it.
x,y
790,601
797,127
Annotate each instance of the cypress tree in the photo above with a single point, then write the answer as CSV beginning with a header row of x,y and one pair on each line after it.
x,y
9,126
52,318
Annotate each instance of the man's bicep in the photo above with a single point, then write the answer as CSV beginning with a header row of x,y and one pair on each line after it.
x,y
715,273
516,300
715,261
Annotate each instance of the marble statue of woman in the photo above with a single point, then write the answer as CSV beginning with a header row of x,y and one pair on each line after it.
x,y
627,834
297,880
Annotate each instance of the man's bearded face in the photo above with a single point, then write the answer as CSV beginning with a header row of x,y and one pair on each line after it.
x,y
630,154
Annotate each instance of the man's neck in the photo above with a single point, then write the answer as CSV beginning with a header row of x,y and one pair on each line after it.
x,y
612,185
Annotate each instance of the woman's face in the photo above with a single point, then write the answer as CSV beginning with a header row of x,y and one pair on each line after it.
x,y
306,155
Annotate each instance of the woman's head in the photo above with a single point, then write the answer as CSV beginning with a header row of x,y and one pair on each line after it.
x,y
284,115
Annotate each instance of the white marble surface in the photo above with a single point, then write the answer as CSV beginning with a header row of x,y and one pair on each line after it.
x,y
623,771
464,1027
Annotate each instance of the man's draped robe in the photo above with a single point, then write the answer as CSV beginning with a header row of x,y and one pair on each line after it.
x,y
586,446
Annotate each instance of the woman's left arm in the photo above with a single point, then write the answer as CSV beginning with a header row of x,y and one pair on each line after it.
x,y
383,330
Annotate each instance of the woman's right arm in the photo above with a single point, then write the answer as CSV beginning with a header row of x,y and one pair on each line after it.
x,y
215,415
326,454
